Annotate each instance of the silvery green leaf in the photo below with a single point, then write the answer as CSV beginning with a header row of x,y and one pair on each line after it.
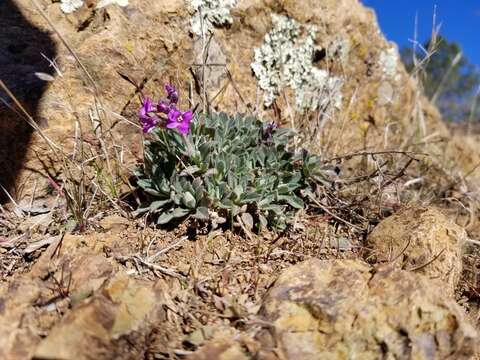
x,y
179,213
247,220
145,184
265,201
152,192
158,204
292,200
221,166
190,170
226,204
202,213
140,211
251,197
164,218
277,209
238,190
188,200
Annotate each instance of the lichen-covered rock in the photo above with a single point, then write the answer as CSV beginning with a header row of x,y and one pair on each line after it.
x,y
327,60
422,240
346,309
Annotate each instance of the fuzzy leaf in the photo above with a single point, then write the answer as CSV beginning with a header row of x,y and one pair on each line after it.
x,y
165,218
292,200
202,213
188,200
158,204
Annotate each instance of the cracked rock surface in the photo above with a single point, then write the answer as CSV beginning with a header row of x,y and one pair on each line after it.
x,y
346,309
423,240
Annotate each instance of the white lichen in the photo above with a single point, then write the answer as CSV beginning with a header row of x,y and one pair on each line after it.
x,y
388,62
339,49
69,6
286,60
210,13
103,3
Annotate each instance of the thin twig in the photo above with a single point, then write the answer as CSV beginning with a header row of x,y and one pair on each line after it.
x,y
167,248
428,262
333,215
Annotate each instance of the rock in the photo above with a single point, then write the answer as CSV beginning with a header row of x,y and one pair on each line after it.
x,y
123,306
30,304
422,240
114,223
18,340
38,223
153,43
220,350
346,309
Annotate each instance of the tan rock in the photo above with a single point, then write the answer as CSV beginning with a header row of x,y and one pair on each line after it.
x,y
114,223
124,306
220,350
346,309
17,341
422,240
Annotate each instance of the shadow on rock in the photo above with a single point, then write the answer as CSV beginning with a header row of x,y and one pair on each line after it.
x,y
24,51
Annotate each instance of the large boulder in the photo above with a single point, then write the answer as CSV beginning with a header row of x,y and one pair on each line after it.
x,y
346,309
422,240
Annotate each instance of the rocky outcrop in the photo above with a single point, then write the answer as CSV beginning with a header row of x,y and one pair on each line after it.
x,y
76,304
323,67
347,309
422,240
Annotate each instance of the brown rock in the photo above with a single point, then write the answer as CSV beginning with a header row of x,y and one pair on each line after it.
x,y
422,240
345,309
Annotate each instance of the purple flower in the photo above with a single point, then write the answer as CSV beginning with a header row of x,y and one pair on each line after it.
x,y
163,107
179,120
147,107
172,94
149,124
148,121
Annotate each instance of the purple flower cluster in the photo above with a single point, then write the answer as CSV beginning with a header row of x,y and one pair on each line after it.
x,y
165,113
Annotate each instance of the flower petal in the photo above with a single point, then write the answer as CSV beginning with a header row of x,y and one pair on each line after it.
x,y
174,114
173,125
187,116
172,93
183,128
163,107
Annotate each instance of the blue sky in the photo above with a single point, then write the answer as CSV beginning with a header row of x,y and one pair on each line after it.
x,y
459,19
